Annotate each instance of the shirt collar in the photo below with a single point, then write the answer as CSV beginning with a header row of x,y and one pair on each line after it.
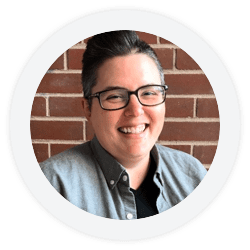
x,y
113,170
159,163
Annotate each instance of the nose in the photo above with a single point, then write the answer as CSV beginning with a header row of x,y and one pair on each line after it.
x,y
134,107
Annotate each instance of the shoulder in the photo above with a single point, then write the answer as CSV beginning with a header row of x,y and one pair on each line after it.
x,y
181,163
176,155
180,172
72,159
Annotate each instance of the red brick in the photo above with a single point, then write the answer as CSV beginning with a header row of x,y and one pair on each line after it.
x,y
148,38
184,61
179,107
58,148
190,131
86,40
39,107
207,108
75,58
188,84
89,131
41,151
165,57
164,41
63,130
205,153
59,63
60,83
66,106
183,148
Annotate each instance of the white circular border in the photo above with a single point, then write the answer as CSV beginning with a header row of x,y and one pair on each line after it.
x,y
165,28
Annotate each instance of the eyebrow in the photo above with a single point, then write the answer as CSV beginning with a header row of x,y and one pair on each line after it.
x,y
113,87
119,87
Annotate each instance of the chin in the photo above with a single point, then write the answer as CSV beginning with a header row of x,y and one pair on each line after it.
x,y
134,151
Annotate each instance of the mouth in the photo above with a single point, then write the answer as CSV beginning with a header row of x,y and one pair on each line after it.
x,y
133,130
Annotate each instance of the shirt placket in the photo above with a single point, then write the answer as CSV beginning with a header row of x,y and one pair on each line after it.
x,y
127,198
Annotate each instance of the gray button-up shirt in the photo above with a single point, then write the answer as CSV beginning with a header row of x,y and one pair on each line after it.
x,y
91,179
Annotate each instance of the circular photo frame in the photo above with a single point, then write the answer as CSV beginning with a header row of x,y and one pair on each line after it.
x,y
229,124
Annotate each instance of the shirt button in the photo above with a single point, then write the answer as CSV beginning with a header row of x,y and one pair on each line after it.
x,y
112,182
130,216
125,177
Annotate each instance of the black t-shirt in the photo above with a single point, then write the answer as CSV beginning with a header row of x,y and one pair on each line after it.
x,y
146,194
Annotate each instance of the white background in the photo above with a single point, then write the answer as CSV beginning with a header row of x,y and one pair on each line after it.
x,y
20,121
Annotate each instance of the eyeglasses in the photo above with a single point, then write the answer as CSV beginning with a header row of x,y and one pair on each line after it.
x,y
118,98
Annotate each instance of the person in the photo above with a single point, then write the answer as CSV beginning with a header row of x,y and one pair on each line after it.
x,y
122,173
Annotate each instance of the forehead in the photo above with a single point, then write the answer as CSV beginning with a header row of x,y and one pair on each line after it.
x,y
130,71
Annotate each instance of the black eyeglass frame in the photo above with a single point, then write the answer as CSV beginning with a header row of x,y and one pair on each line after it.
x,y
97,95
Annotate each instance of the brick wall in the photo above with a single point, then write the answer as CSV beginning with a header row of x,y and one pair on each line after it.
x,y
192,117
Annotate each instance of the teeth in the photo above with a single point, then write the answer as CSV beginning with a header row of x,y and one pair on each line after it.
x,y
133,130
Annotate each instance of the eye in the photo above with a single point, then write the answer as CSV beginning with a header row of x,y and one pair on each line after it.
x,y
148,93
113,97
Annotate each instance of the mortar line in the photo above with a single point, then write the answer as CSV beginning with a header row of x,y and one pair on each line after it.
x,y
191,96
158,40
176,71
47,106
165,71
58,95
49,150
212,96
192,150
207,166
54,118
195,108
65,61
177,143
174,60
194,143
157,45
51,141
188,119
166,119
81,45
84,130
164,46
68,71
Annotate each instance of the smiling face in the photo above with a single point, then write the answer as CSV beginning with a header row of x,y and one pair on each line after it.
x,y
131,132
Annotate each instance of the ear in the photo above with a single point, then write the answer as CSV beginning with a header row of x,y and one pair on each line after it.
x,y
86,109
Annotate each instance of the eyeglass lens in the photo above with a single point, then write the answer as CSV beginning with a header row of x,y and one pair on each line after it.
x,y
118,98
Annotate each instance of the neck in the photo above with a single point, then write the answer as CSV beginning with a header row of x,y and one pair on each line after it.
x,y
137,170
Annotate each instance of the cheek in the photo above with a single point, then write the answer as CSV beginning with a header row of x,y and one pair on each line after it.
x,y
111,119
158,121
105,121
96,121
159,114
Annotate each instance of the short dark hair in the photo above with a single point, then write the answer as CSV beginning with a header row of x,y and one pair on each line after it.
x,y
108,45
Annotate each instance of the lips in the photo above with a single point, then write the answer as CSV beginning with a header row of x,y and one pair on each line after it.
x,y
133,130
